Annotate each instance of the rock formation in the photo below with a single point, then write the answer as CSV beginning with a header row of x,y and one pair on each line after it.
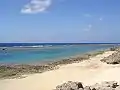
x,y
112,85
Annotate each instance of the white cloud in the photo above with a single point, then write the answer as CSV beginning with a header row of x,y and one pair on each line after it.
x,y
88,28
36,6
100,18
87,15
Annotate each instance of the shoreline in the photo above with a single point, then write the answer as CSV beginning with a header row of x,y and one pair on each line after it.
x,y
9,71
89,72
92,52
46,60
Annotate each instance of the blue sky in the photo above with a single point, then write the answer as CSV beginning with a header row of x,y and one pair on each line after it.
x,y
60,21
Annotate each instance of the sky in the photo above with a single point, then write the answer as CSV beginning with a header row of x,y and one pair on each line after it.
x,y
77,21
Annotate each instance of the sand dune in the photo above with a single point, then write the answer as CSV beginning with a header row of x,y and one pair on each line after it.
x,y
89,72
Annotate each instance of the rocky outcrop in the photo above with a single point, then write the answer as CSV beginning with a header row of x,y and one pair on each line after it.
x,y
113,59
78,86
105,86
70,86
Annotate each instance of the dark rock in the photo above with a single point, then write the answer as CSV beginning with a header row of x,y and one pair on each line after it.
x,y
114,63
113,49
80,85
114,85
72,89
93,89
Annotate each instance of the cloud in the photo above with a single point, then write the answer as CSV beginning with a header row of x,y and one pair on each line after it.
x,y
88,28
100,18
87,15
36,6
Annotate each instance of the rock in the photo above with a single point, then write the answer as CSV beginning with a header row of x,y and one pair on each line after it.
x,y
70,86
113,59
87,88
112,85
93,89
80,89
80,85
105,86
102,88
117,88
113,48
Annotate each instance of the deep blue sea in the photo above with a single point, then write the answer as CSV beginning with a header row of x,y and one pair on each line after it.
x,y
30,53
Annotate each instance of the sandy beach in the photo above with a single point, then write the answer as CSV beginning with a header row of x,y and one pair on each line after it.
x,y
89,72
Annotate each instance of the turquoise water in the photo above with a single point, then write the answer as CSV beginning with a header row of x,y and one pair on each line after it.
x,y
23,55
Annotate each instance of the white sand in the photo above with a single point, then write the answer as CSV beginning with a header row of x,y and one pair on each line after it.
x,y
89,72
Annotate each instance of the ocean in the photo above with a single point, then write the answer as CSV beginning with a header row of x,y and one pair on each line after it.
x,y
30,53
